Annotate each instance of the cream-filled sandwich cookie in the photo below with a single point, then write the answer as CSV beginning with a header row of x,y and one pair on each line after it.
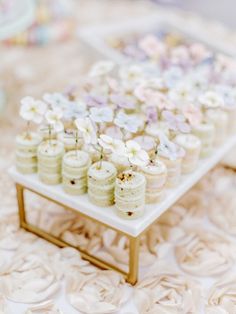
x,y
44,132
130,194
171,155
26,152
156,176
74,172
206,133
192,146
69,140
101,183
219,119
50,155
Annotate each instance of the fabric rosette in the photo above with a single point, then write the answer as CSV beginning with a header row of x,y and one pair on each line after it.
x,y
167,292
203,252
222,296
28,278
46,307
100,292
154,243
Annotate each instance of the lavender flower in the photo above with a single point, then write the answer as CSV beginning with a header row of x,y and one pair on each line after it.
x,y
176,122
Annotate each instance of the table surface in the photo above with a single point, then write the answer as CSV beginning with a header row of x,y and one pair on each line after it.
x,y
108,215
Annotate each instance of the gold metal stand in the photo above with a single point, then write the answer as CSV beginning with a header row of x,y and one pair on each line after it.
x,y
131,276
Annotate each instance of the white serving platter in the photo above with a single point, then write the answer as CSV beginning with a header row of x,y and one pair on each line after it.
x,y
108,215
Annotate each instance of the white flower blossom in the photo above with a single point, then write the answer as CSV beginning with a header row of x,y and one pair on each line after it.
x,y
130,73
211,99
101,68
181,93
130,76
87,129
169,149
114,145
54,117
99,115
56,100
135,154
77,109
32,110
127,122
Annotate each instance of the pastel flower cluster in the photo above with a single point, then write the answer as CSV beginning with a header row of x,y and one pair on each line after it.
x,y
136,99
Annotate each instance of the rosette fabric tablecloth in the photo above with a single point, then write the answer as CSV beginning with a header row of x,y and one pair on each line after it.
x,y
195,238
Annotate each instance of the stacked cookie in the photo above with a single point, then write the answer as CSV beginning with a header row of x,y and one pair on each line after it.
x,y
26,152
192,146
74,172
69,140
156,175
130,194
101,183
206,133
50,155
220,120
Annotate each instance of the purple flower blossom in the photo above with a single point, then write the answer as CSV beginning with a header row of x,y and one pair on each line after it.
x,y
121,102
176,122
151,114
95,100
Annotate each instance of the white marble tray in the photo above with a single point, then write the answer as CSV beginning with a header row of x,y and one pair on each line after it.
x,y
108,215
95,37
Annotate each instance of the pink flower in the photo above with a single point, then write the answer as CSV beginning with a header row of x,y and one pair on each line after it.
x,y
193,114
151,114
198,52
153,97
180,56
176,122
152,46
120,101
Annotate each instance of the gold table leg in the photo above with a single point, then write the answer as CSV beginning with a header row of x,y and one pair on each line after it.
x,y
133,260
131,277
21,204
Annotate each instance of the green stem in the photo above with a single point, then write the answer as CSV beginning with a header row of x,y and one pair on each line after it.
x,y
28,129
50,134
101,158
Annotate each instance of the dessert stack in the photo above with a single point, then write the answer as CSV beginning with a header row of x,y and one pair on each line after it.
x,y
101,183
156,175
206,133
26,152
130,194
69,140
192,146
74,172
50,154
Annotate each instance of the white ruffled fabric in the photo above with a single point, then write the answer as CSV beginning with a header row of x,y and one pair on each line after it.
x,y
100,292
167,292
203,252
222,203
47,307
153,244
222,296
191,205
28,278
4,308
